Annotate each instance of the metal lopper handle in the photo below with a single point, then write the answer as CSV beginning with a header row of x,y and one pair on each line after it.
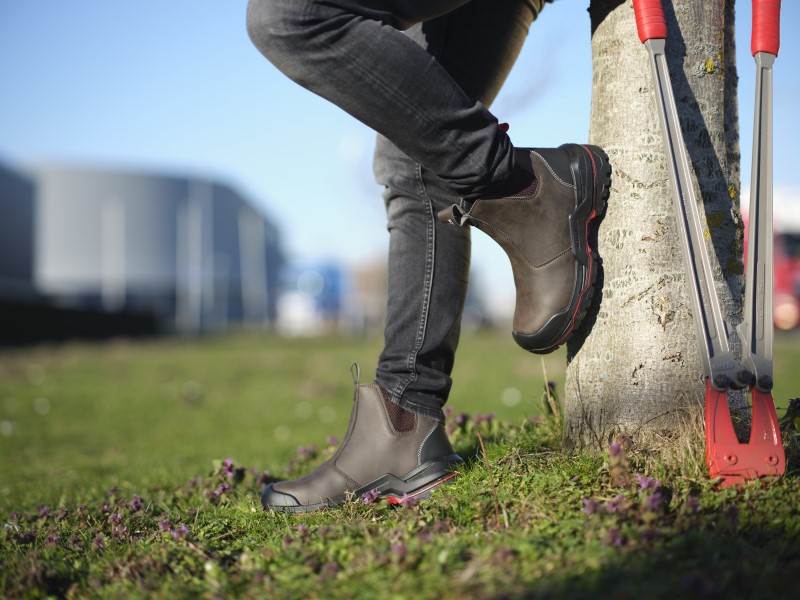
x,y
727,459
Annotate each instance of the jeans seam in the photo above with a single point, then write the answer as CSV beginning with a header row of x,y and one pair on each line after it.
x,y
430,259
430,264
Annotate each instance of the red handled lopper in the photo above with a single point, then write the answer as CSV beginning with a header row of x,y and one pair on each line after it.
x,y
728,459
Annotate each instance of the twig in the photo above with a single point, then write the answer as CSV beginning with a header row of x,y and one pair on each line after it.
x,y
550,401
491,479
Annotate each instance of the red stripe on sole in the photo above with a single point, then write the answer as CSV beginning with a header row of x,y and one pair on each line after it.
x,y
396,500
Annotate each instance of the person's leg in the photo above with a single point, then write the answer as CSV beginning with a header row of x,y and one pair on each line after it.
x,y
353,53
429,261
396,443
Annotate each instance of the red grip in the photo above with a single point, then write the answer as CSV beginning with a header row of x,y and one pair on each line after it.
x,y
766,26
650,21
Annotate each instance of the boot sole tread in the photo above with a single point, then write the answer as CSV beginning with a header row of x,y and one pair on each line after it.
x,y
417,483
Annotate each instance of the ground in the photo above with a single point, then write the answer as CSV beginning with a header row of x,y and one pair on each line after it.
x,y
133,468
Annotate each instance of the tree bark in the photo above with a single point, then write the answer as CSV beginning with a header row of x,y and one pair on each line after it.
x,y
635,366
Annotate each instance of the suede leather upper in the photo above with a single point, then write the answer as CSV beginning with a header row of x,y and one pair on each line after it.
x,y
370,449
544,236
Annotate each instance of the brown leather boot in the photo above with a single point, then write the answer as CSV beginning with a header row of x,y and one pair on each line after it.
x,y
386,448
544,231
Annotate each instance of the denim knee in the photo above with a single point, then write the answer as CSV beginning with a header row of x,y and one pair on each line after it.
x,y
282,31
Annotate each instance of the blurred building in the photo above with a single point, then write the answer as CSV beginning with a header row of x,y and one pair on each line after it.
x,y
312,301
322,298
129,250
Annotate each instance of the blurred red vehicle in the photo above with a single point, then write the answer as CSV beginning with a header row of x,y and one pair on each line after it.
x,y
786,271
787,280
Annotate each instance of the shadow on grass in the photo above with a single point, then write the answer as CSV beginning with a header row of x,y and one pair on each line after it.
x,y
761,561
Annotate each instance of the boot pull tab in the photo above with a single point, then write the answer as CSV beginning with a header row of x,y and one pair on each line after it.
x,y
454,215
355,372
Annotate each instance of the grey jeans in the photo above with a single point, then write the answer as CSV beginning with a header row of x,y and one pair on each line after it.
x,y
421,73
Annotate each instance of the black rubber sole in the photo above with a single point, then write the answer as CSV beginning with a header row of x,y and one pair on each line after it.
x,y
416,484
591,199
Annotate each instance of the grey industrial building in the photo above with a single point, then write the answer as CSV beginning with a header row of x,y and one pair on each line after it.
x,y
115,248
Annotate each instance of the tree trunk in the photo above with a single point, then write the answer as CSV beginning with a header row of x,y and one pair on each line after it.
x,y
636,368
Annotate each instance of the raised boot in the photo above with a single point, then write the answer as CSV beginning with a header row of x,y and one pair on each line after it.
x,y
386,448
544,230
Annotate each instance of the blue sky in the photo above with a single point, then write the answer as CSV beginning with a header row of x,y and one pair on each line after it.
x,y
176,86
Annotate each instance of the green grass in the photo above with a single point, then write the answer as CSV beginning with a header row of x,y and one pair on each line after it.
x,y
145,418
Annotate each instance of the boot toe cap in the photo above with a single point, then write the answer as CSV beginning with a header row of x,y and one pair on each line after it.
x,y
275,499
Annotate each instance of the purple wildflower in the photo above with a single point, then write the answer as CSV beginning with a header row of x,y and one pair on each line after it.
x,y
98,543
650,535
14,516
44,511
74,542
119,533
371,496
264,478
136,504
307,452
647,483
408,501
111,492
425,535
62,513
165,525
181,532
27,537
115,519
590,506
692,503
615,504
614,449
303,531
214,495
655,501
51,540
479,418
399,550
105,508
461,419
448,410
614,537
442,525
332,441
227,467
